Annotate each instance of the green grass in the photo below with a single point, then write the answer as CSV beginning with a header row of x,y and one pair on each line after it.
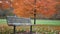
x,y
42,22
48,22
3,21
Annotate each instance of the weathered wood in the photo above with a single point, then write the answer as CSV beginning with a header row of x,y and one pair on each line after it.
x,y
13,20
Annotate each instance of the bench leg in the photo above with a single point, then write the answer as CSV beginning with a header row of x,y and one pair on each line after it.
x,y
14,29
31,29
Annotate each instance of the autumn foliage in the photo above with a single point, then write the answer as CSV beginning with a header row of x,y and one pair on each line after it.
x,y
4,4
25,8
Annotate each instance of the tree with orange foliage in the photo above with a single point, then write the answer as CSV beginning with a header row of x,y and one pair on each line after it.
x,y
25,8
5,8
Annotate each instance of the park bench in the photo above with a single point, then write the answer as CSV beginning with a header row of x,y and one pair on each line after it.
x,y
16,21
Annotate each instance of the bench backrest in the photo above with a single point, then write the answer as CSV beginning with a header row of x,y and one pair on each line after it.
x,y
14,19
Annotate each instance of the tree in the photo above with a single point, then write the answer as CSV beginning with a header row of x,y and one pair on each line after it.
x,y
5,8
57,15
25,8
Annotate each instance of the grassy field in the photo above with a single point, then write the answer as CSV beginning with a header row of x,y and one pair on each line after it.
x,y
42,22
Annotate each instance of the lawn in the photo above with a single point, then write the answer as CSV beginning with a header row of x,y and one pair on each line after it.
x,y
42,22
38,29
48,22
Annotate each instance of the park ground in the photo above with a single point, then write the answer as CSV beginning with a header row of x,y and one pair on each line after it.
x,y
43,26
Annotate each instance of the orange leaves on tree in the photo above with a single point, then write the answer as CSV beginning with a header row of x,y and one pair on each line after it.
x,y
0,5
4,4
47,8
25,8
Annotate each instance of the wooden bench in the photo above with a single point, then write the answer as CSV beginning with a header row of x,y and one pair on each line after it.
x,y
13,20
16,21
